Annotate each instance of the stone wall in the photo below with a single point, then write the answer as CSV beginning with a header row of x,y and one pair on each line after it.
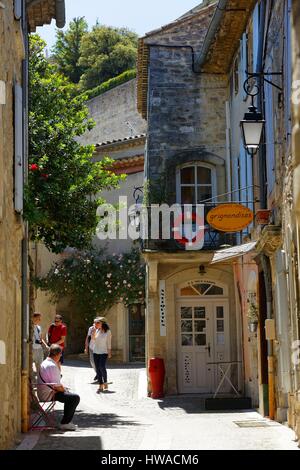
x,y
11,55
294,399
280,198
111,111
186,110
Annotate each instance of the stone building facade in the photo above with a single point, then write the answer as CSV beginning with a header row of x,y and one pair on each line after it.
x,y
11,231
194,121
276,295
17,18
193,308
269,277
295,398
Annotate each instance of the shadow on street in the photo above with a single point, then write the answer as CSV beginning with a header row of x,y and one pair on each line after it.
x,y
85,364
63,442
92,420
192,405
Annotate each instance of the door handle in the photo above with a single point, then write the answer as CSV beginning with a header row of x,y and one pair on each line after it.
x,y
208,349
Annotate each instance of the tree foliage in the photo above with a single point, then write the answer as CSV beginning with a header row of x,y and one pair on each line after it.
x,y
66,51
64,182
105,53
95,282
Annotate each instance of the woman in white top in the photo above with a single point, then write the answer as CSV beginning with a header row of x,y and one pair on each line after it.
x,y
102,351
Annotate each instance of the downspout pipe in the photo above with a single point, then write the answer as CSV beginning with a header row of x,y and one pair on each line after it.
x,y
60,13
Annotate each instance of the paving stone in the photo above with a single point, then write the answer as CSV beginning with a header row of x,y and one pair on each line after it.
x,y
126,419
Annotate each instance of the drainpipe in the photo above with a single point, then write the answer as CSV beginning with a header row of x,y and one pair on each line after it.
x,y
60,13
25,338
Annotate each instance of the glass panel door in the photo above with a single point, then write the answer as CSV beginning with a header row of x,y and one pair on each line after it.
x,y
194,342
136,318
193,326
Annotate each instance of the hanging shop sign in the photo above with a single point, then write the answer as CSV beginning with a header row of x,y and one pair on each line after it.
x,y
230,217
263,216
162,308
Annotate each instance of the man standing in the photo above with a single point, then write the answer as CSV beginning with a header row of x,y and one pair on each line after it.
x,y
37,341
57,334
49,379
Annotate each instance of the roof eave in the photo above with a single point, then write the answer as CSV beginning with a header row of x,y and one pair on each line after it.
x,y
212,31
221,43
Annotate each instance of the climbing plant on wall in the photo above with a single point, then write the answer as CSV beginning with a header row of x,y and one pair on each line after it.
x,y
96,281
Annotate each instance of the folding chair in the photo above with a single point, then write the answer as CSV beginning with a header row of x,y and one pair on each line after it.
x,y
42,412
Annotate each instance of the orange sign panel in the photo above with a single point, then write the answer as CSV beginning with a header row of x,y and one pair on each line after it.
x,y
230,217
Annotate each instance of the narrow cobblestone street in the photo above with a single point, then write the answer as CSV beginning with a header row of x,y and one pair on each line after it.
x,y
125,419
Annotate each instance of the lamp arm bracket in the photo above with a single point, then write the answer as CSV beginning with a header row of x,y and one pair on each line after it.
x,y
254,76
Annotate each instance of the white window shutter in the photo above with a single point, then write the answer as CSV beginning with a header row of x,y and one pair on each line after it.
x,y
19,173
18,9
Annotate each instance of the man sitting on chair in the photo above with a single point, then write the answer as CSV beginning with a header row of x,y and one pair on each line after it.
x,y
49,378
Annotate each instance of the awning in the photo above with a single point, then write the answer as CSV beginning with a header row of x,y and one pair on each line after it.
x,y
233,252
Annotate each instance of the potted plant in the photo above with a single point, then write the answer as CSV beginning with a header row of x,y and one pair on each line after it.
x,y
252,317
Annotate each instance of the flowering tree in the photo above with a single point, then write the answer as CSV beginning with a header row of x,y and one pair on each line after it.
x,y
64,182
95,282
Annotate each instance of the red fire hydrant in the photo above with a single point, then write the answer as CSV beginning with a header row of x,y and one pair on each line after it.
x,y
157,377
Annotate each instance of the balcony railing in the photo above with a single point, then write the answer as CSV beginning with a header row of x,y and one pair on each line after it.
x,y
212,239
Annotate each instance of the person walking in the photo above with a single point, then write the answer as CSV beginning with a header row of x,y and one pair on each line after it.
x,y
49,378
57,334
102,350
89,347
37,341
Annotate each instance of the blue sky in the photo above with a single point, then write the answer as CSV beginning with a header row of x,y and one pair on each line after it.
x,y
140,15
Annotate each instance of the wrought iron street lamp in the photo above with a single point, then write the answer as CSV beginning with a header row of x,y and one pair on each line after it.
x,y
252,127
253,123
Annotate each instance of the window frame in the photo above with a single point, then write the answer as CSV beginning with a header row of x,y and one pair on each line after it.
x,y
195,165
